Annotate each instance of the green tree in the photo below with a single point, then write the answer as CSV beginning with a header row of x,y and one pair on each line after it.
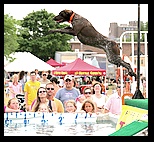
x,y
35,37
146,26
10,35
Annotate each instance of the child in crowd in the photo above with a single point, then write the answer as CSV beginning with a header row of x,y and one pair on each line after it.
x,y
70,106
88,106
44,108
12,106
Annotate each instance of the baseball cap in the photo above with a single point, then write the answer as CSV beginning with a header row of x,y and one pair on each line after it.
x,y
68,77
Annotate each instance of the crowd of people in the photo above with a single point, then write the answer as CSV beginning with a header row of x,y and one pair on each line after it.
x,y
47,93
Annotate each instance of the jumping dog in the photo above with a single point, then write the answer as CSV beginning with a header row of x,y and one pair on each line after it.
x,y
88,35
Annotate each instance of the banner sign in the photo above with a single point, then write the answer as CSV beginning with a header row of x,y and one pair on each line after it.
x,y
48,118
130,114
80,73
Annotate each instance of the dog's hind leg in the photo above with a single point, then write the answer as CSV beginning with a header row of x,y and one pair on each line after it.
x,y
128,66
116,59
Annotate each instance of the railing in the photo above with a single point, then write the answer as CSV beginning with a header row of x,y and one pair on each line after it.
x,y
146,60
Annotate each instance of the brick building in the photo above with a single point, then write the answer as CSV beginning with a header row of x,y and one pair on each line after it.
x,y
127,50
115,31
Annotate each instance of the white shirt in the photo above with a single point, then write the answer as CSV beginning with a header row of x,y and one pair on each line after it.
x,y
79,105
99,101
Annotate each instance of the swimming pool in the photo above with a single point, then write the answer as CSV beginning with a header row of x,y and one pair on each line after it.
x,y
66,124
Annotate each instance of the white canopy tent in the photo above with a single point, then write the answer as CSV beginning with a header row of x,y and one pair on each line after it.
x,y
27,62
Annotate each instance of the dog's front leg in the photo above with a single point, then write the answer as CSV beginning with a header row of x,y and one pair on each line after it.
x,y
64,31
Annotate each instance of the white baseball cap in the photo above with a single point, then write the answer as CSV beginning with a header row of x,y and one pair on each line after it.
x,y
68,77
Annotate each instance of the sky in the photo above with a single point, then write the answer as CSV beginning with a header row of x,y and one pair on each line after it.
x,y
100,15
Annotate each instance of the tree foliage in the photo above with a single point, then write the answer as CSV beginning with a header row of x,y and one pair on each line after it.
x,y
10,35
35,38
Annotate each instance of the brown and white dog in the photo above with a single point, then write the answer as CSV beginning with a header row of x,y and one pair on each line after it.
x,y
88,35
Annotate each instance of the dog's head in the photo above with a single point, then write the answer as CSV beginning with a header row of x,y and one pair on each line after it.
x,y
65,15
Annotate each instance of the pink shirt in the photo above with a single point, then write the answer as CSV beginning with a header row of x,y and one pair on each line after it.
x,y
5,109
114,104
15,88
33,103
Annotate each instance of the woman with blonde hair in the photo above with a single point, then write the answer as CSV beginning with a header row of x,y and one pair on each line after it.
x,y
42,99
44,108
12,106
15,87
70,106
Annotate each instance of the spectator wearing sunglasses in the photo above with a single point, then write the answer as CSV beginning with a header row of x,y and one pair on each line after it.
x,y
55,82
44,79
68,92
51,96
87,93
42,99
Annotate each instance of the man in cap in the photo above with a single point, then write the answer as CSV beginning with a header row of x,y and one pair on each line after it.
x,y
68,92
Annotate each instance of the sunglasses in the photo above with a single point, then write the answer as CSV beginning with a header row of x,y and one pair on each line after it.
x,y
44,75
87,92
42,91
50,88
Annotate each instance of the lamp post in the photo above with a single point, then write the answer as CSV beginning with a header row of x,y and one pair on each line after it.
x,y
138,94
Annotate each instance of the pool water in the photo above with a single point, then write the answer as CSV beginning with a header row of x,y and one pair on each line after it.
x,y
101,126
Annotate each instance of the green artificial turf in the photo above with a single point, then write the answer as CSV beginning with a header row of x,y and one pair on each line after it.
x,y
131,129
